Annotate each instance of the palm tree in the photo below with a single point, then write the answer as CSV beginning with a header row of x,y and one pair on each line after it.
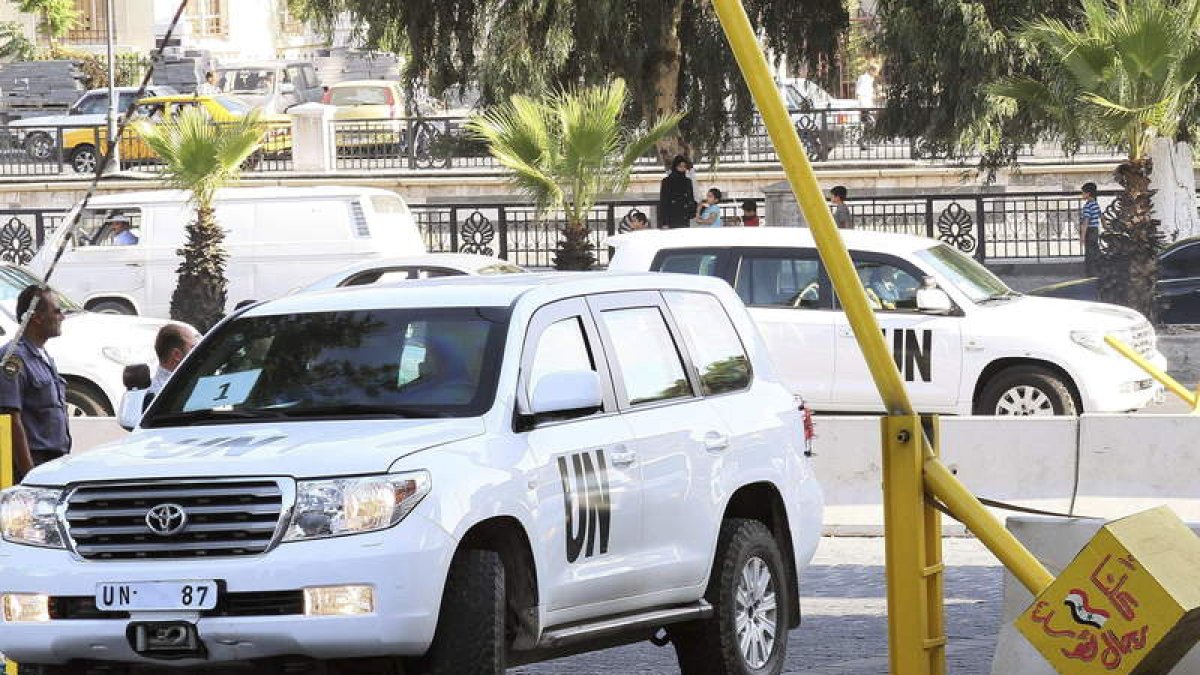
x,y
567,150
1124,71
201,156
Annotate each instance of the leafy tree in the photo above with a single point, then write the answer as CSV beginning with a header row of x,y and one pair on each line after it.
x,y
201,156
55,17
1124,72
567,150
13,42
671,52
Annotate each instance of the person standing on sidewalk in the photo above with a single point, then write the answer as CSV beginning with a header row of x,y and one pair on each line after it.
x,y
841,212
1089,230
677,196
31,389
709,214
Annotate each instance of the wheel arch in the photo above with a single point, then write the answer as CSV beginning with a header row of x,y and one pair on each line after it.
x,y
999,365
92,388
763,502
121,298
506,536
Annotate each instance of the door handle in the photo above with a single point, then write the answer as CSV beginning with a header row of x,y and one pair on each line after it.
x,y
133,264
623,457
846,331
715,440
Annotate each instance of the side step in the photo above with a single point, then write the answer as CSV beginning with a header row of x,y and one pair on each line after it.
x,y
558,638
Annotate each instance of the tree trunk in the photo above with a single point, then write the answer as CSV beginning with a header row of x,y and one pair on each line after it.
x,y
664,64
1174,185
199,297
574,249
1131,242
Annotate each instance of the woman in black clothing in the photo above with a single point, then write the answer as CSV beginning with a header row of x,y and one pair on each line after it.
x,y
676,196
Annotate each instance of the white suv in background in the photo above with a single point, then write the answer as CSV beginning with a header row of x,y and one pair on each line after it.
x,y
964,342
448,476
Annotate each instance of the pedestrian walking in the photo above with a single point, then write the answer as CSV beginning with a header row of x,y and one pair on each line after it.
x,y
750,214
676,196
841,212
709,213
1089,230
31,390
209,86
173,342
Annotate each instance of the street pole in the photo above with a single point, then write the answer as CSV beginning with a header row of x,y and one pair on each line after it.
x,y
110,26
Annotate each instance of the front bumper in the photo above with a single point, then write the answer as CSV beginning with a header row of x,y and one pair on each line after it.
x,y
405,565
1116,385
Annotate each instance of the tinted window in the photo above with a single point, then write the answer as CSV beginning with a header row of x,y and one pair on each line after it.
x,y
92,105
690,262
780,281
562,346
712,341
646,355
404,362
888,287
1182,262
359,96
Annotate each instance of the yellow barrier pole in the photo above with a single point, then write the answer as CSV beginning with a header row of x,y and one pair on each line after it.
x,y
7,473
1172,385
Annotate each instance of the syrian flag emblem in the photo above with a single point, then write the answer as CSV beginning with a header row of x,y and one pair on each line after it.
x,y
1077,601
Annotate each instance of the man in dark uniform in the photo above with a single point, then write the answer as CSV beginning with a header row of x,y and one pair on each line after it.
x,y
31,389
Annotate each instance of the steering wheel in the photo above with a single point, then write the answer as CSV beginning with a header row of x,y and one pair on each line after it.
x,y
811,292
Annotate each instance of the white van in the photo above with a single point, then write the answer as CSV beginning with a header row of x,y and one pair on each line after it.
x,y
276,238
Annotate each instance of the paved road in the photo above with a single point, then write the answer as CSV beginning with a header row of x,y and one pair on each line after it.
x,y
845,624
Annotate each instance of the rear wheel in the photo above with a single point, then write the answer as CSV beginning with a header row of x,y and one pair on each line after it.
x,y
470,638
1026,391
83,400
747,634
39,145
84,159
111,307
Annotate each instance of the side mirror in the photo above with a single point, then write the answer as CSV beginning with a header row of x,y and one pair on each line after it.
x,y
566,391
133,404
933,299
136,376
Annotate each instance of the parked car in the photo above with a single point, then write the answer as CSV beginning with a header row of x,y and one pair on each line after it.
x,y
93,350
452,476
414,267
39,136
1178,286
964,342
276,239
273,86
83,146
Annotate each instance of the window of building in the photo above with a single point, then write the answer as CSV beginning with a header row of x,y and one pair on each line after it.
x,y
208,18
91,26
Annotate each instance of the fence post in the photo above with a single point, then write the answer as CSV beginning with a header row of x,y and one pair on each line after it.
x,y
929,217
453,230
980,231
502,231
409,142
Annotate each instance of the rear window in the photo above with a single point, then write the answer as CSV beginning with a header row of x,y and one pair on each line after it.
x,y
646,355
359,96
713,342
702,263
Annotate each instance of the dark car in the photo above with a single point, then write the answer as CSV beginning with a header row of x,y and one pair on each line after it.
x,y
1178,284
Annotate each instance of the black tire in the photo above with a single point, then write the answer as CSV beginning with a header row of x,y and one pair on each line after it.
x,y
1026,390
39,146
35,669
470,638
84,158
111,307
711,646
84,400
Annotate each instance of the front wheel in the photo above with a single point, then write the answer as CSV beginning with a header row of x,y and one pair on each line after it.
x,y
84,159
39,146
747,634
470,637
84,401
1026,391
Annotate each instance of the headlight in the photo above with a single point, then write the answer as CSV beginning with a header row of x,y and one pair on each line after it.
x,y
30,516
130,356
328,508
1094,339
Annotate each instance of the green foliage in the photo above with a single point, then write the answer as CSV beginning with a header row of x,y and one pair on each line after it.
x,y
671,52
566,150
201,157
55,17
14,44
130,67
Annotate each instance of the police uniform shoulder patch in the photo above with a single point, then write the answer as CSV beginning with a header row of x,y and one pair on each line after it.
x,y
13,366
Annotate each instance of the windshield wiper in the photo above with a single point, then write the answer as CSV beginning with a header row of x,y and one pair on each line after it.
x,y
358,410
1002,295
212,416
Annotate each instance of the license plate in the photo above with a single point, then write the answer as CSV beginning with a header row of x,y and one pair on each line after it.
x,y
156,596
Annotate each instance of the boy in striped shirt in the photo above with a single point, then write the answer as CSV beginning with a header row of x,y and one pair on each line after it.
x,y
1089,229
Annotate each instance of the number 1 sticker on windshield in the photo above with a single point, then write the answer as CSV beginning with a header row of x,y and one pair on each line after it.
x,y
221,391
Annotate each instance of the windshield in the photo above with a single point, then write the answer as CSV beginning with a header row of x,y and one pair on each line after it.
x,y
13,280
360,96
248,80
973,279
380,362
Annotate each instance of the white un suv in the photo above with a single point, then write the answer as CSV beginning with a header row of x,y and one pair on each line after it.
x,y
445,476
963,341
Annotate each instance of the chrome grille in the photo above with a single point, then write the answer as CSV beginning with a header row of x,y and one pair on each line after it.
x,y
1142,340
224,518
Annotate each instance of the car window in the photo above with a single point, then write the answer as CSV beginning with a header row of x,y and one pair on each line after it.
x,y
310,76
1182,262
359,96
966,274
106,227
125,100
701,263
499,268
713,342
780,281
13,280
646,355
562,346
889,288
93,105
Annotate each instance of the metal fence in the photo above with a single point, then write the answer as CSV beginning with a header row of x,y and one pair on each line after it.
x,y
421,143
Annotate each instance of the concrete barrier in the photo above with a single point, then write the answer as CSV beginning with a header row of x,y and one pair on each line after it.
x,y
1055,541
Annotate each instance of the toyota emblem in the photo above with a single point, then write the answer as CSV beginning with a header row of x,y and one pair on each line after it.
x,y
166,519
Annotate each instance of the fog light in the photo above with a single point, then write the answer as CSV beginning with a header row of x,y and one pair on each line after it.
x,y
26,607
339,600
1134,387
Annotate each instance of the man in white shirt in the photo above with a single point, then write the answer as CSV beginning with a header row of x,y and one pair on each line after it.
x,y
209,86
174,342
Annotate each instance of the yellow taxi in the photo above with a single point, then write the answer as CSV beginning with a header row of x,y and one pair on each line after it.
x,y
82,147
369,119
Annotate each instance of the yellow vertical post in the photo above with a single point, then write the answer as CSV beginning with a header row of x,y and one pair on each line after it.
x,y
7,473
934,570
